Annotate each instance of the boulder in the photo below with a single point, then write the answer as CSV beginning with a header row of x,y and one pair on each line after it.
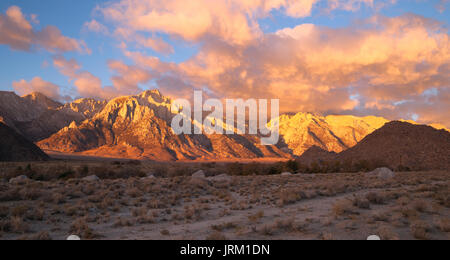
x,y
199,175
149,177
19,180
73,237
91,178
382,173
373,238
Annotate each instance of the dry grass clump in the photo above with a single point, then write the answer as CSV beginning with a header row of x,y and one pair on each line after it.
x,y
19,211
224,226
290,196
4,211
403,201
420,230
240,205
443,224
10,194
326,236
144,216
420,205
361,203
124,222
37,214
165,232
216,236
376,198
43,235
193,212
256,217
267,230
134,193
386,233
80,228
408,212
343,207
18,225
30,193
381,217
58,198
288,225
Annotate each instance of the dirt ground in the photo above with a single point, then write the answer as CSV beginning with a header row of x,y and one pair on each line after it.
x,y
413,205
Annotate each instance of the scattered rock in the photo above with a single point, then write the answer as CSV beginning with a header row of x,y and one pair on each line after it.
x,y
73,237
373,238
286,174
200,175
382,173
149,177
91,178
19,180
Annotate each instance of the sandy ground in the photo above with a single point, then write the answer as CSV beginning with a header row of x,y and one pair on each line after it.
x,y
322,206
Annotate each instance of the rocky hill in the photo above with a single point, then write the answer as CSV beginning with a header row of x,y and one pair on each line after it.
x,y
14,147
398,145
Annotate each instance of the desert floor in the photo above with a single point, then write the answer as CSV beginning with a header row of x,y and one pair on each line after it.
x,y
413,205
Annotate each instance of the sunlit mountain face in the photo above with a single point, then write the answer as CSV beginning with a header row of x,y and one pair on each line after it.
x,y
384,58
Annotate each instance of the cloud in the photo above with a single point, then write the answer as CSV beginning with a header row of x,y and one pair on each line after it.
x,y
380,66
18,33
233,21
68,68
442,5
37,84
125,81
157,44
128,78
95,26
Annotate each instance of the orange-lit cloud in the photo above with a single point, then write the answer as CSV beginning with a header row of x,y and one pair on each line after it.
x,y
233,21
125,82
95,26
18,33
377,66
37,84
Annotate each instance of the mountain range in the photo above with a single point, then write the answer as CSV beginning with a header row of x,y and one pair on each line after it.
x,y
138,127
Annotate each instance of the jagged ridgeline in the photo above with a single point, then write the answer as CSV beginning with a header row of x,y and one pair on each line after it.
x,y
138,127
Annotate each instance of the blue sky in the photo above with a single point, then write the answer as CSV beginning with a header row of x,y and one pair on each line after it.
x,y
70,15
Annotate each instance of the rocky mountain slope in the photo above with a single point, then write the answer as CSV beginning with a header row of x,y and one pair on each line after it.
x,y
14,147
37,117
40,100
88,107
398,145
332,133
138,127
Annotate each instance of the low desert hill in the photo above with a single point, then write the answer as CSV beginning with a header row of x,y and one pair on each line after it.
x,y
14,147
398,145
